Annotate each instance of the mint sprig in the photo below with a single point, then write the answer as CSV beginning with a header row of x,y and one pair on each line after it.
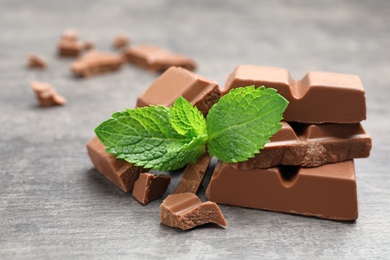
x,y
162,138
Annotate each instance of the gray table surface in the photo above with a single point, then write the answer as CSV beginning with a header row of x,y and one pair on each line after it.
x,y
55,205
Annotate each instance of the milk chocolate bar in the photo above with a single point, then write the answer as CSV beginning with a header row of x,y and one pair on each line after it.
x,y
47,96
120,172
328,191
156,59
193,175
186,211
35,61
311,145
175,82
320,97
95,62
149,187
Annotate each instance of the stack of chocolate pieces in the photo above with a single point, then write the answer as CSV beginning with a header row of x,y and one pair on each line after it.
x,y
307,168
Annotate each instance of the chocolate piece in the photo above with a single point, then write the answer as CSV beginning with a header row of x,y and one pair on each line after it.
x,y
328,191
175,82
121,41
70,35
120,172
149,187
157,59
193,175
88,45
311,145
70,48
46,95
95,62
320,97
185,211
35,61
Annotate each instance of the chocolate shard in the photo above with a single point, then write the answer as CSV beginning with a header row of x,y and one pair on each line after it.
x,y
320,97
156,59
95,62
149,187
120,172
121,41
46,95
311,145
193,175
328,191
70,48
35,61
175,82
186,211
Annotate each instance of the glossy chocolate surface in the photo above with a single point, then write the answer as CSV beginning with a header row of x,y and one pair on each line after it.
x,y
149,187
312,145
186,211
320,97
328,191
175,82
120,172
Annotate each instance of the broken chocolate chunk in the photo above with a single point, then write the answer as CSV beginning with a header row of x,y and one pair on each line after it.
x,y
35,61
68,48
157,59
327,191
193,175
320,97
120,172
149,187
95,62
201,92
311,145
46,95
186,211
121,41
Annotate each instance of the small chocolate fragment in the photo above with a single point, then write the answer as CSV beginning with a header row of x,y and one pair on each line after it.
x,y
311,145
157,59
35,61
95,62
121,41
46,95
149,187
70,48
175,82
120,172
320,97
70,35
185,211
193,175
328,191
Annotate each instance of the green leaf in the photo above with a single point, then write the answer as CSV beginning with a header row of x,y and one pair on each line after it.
x,y
242,122
186,119
145,137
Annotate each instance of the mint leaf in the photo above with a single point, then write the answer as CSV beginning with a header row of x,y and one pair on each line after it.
x,y
145,137
242,122
186,119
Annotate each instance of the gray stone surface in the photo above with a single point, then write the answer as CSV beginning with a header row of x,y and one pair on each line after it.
x,y
53,203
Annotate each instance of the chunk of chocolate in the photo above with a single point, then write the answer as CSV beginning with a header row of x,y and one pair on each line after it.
x,y
320,97
46,95
35,61
157,59
70,48
121,41
120,172
95,62
185,211
149,187
328,191
193,175
311,145
175,82
70,35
